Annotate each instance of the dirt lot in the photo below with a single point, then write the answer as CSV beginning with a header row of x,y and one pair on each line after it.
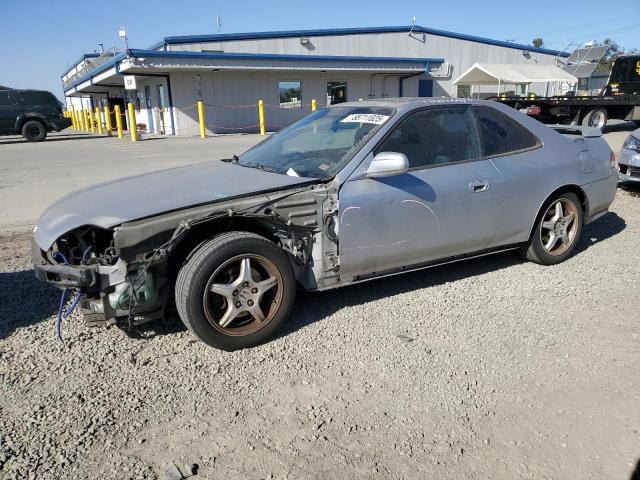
x,y
493,368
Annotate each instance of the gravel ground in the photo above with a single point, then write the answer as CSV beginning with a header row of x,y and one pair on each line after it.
x,y
492,368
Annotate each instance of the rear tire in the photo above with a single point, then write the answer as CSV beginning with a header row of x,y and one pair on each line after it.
x,y
556,232
34,131
235,291
596,118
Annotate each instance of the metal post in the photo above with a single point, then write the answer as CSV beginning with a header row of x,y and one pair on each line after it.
x,y
99,120
261,116
203,131
119,121
107,120
133,128
85,120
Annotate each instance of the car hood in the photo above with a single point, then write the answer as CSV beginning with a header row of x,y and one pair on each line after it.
x,y
112,203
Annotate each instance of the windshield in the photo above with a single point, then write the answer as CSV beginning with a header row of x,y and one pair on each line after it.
x,y
320,144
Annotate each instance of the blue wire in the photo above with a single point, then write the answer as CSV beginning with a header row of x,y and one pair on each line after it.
x,y
63,300
62,312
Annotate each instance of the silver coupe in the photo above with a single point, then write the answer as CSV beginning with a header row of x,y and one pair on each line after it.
x,y
347,194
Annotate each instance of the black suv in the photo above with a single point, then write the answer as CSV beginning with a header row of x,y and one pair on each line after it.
x,y
31,113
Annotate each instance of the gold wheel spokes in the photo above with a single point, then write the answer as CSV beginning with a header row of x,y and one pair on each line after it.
x,y
559,226
243,294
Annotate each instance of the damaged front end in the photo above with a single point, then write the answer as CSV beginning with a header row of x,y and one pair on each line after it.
x,y
86,260
126,274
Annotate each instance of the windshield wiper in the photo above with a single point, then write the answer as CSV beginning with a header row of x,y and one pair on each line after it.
x,y
234,159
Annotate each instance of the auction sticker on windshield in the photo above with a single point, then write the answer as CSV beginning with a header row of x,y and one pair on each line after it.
x,y
373,118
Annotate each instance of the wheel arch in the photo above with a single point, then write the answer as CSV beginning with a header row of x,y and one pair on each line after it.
x,y
571,188
207,230
21,120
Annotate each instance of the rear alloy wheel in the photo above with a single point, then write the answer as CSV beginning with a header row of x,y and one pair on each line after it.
x,y
34,131
235,291
557,231
596,118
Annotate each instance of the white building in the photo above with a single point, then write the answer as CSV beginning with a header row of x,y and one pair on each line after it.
x,y
287,70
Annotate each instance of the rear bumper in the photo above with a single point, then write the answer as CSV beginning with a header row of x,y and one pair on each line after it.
x,y
60,124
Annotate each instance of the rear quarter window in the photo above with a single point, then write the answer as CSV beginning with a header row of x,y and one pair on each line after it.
x,y
500,134
39,98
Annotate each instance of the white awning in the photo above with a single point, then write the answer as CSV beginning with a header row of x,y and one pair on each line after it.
x,y
501,73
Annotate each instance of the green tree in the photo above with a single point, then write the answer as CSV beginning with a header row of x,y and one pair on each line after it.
x,y
538,42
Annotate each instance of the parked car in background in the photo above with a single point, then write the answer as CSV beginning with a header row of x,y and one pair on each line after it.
x,y
30,113
629,161
347,194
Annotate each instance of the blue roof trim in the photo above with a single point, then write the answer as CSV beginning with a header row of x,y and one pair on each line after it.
x,y
275,56
81,59
227,37
101,68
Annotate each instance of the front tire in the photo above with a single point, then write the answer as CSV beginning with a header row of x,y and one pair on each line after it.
x,y
34,131
235,291
557,230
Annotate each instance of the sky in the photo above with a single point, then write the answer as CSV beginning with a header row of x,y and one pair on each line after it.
x,y
40,38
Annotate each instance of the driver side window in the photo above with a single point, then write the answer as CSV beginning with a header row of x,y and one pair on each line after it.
x,y
435,136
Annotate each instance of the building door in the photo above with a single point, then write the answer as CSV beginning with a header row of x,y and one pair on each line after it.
x,y
161,110
111,103
336,92
425,88
149,105
448,203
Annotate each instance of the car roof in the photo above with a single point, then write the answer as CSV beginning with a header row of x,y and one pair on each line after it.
x,y
412,102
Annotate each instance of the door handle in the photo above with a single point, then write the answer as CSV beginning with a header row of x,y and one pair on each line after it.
x,y
478,186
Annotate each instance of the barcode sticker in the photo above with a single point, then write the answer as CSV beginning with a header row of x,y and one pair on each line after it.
x,y
372,118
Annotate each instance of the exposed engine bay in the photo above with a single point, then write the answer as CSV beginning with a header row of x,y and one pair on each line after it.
x,y
126,274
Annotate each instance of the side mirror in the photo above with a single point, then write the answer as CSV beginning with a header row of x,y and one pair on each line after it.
x,y
387,164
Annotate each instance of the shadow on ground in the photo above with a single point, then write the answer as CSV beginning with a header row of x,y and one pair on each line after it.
x,y
311,307
632,188
24,301
620,127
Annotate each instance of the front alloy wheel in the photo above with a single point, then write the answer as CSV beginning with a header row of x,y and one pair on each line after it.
x,y
243,294
236,290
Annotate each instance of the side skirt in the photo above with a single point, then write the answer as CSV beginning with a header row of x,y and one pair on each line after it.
x,y
423,266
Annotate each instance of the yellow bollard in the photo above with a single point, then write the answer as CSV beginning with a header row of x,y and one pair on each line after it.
x,y
107,120
203,131
261,116
132,123
314,105
74,125
91,122
85,120
119,121
99,120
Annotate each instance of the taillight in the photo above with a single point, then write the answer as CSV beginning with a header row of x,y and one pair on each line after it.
x,y
533,110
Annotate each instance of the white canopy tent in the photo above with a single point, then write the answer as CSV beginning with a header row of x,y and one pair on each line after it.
x,y
514,74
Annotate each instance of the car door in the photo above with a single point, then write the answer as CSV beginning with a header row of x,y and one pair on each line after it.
x,y
447,204
9,111
526,170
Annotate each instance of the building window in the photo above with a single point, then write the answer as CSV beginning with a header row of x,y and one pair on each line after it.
x,y
464,91
290,94
336,92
